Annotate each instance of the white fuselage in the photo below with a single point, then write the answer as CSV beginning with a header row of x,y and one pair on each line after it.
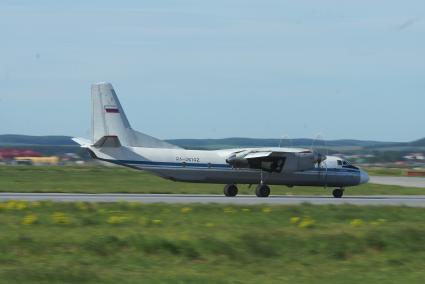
x,y
113,140
211,167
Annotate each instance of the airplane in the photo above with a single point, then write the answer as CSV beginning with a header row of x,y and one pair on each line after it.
x,y
114,141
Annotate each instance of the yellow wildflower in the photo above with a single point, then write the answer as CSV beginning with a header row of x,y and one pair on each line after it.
x,y
229,210
246,210
10,205
378,222
29,220
295,220
157,222
60,218
307,223
21,205
16,205
186,210
356,223
82,206
209,225
267,210
116,220
35,204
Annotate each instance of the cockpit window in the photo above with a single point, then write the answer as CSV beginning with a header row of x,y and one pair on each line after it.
x,y
339,163
348,165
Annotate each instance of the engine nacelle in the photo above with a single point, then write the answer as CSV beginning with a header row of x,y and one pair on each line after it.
x,y
277,161
237,160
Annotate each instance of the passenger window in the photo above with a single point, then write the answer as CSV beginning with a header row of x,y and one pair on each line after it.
x,y
345,163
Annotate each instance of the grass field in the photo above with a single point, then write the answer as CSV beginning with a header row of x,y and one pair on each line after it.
x,y
136,243
123,180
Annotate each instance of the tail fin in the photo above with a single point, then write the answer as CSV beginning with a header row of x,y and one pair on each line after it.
x,y
110,120
108,116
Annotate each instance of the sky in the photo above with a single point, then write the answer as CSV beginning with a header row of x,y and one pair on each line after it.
x,y
215,69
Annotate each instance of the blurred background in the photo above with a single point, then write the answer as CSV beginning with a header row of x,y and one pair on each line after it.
x,y
61,150
342,77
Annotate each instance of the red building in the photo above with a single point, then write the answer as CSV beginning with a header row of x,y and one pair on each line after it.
x,y
10,154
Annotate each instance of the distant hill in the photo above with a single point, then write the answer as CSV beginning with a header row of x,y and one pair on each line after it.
x,y
418,143
251,142
64,143
22,140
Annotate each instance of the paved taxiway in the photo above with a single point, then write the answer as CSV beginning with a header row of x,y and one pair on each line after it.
x,y
400,181
414,201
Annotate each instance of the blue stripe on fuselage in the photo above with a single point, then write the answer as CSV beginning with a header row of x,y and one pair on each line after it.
x,y
168,164
164,165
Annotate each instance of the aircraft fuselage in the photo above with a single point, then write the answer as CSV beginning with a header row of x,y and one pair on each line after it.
x,y
211,167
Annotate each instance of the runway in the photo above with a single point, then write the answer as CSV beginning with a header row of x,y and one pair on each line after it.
x,y
412,201
399,181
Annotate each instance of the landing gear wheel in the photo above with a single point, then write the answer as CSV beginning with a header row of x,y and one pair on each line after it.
x,y
338,192
230,190
262,190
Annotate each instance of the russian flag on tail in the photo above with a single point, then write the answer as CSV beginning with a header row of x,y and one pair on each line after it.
x,y
112,109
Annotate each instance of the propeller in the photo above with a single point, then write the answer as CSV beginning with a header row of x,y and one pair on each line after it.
x,y
286,139
320,157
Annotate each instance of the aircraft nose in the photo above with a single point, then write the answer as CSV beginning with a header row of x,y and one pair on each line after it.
x,y
364,177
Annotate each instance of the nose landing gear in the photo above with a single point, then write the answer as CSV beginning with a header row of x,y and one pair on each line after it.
x,y
262,190
338,192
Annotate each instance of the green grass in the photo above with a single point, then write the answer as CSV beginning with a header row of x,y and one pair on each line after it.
x,y
123,180
137,243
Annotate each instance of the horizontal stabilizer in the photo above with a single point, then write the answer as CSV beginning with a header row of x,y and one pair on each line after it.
x,y
84,143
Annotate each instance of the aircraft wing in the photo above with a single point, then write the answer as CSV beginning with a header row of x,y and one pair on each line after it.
x,y
255,155
276,160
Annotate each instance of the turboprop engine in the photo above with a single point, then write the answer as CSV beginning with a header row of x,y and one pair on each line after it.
x,y
238,160
272,161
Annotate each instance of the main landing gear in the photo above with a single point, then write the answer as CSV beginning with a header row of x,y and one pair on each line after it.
x,y
230,190
338,192
262,190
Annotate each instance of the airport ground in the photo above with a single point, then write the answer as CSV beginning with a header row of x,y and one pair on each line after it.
x,y
46,242
131,242
28,179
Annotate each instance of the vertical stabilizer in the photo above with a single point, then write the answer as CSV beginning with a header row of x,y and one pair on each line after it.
x,y
109,120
